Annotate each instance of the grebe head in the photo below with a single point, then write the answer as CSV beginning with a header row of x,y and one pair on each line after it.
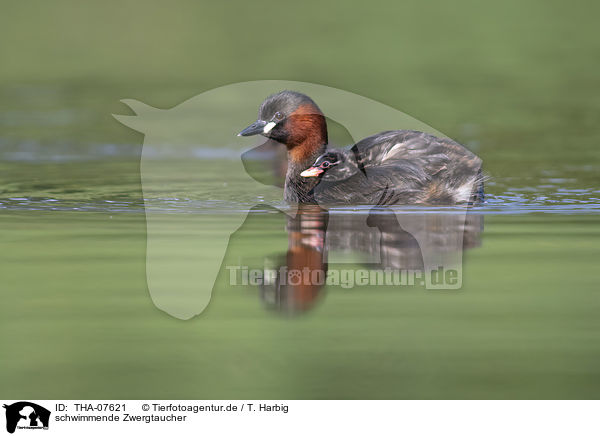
x,y
331,166
293,119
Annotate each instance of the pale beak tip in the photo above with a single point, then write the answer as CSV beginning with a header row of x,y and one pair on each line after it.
x,y
311,172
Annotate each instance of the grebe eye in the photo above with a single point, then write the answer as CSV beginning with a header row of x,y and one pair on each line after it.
x,y
325,164
278,116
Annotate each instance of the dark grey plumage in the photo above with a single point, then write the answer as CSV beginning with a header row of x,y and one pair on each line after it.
x,y
400,167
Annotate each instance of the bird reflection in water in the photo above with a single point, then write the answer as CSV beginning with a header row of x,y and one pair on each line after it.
x,y
381,238
306,253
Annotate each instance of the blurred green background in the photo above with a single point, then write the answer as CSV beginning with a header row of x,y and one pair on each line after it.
x,y
516,81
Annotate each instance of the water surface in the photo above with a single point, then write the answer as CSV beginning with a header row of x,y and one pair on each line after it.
x,y
524,324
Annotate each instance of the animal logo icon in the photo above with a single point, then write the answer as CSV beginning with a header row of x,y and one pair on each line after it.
x,y
26,415
191,151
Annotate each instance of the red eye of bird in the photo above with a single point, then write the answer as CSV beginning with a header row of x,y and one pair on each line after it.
x,y
325,164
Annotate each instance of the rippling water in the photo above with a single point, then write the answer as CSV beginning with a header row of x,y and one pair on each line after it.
x,y
504,195
516,201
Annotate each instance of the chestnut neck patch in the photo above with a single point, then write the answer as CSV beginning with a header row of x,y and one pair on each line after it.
x,y
306,133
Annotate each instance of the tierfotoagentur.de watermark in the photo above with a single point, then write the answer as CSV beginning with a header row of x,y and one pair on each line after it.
x,y
346,278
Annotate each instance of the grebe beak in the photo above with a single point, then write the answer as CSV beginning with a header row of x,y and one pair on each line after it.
x,y
311,172
259,126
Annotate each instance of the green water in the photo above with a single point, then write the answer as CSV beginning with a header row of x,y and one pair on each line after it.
x,y
516,82
76,308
